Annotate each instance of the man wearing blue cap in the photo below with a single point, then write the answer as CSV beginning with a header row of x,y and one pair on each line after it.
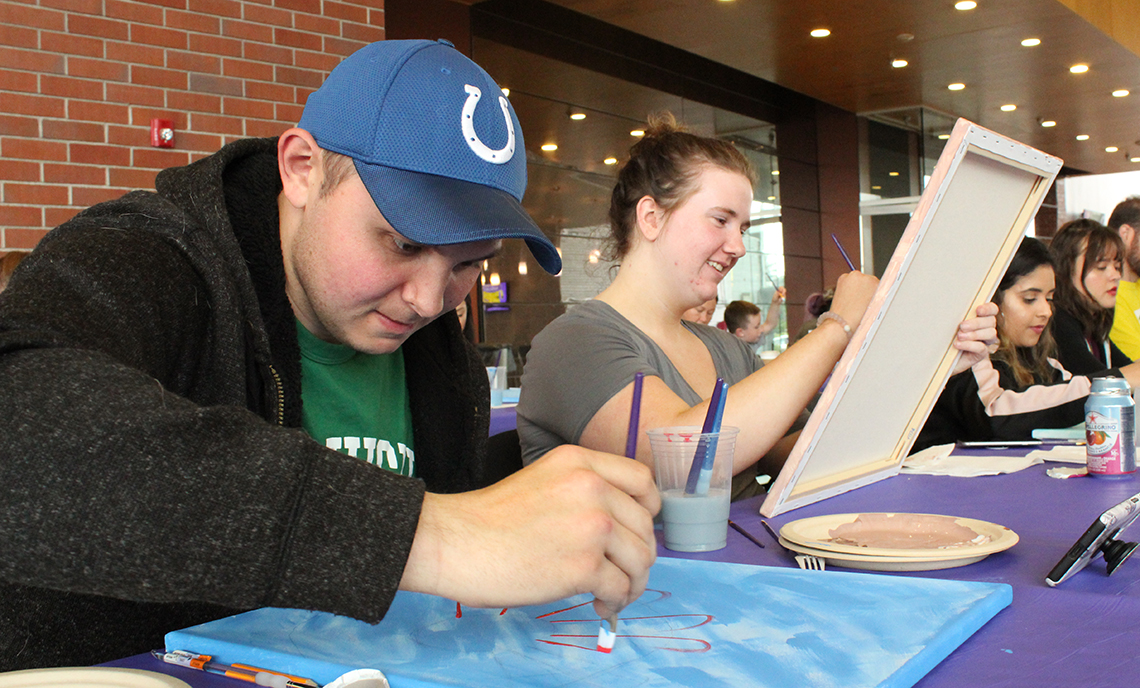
x,y
167,360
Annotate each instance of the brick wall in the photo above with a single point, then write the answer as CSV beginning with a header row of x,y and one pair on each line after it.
x,y
80,81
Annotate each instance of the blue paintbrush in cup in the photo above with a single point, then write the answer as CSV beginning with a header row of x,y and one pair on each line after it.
x,y
701,471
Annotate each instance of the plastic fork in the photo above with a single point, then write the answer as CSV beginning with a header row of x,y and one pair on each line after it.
x,y
810,563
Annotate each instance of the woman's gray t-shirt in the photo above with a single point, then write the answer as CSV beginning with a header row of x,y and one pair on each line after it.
x,y
589,354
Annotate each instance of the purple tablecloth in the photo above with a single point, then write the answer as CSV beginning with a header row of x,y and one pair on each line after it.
x,y
503,418
1084,633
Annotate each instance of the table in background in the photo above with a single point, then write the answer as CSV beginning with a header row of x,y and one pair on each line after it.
x,y
1084,633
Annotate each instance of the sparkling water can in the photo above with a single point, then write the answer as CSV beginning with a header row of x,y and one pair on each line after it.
x,y
1110,428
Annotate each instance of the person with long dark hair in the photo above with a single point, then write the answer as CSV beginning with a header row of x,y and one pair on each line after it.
x,y
1021,386
1087,256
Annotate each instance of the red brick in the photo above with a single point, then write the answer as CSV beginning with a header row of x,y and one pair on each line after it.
x,y
35,194
272,54
92,154
35,17
54,217
193,62
130,178
216,124
83,25
249,31
359,32
340,10
77,89
135,12
11,125
104,70
33,61
215,45
256,127
157,35
296,39
70,130
76,6
23,238
322,62
32,149
303,95
192,21
240,107
341,47
299,77
193,141
91,175
270,16
376,15
310,6
172,4
19,216
19,36
244,69
19,81
72,44
20,170
207,83
86,196
133,53
20,104
217,8
159,158
162,78
288,113
185,101
269,91
134,95
110,113
316,25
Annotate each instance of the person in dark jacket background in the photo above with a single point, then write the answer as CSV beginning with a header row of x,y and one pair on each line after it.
x,y
157,468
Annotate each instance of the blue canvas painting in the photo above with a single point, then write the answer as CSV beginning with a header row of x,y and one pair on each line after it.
x,y
699,624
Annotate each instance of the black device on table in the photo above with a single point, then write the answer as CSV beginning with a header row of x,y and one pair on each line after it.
x,y
1100,537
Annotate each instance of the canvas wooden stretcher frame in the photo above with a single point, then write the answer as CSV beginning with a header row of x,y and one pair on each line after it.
x,y
984,192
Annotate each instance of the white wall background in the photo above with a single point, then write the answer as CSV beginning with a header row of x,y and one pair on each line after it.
x,y
1094,195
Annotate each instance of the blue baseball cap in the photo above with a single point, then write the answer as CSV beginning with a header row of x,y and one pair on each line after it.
x,y
435,142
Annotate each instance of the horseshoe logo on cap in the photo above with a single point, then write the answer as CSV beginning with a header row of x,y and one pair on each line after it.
x,y
481,149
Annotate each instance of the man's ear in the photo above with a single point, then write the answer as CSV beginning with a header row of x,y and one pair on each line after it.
x,y
650,218
1127,233
299,164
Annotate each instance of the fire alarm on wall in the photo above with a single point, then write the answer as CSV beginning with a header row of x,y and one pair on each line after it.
x,y
162,133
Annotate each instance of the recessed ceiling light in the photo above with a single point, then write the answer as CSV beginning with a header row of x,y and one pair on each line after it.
x,y
943,137
637,132
775,173
876,187
1133,159
1030,42
892,174
1111,149
899,63
1082,137
506,91
820,33
771,198
1008,108
550,146
609,161
577,116
1048,123
964,5
956,87
1079,68
1120,93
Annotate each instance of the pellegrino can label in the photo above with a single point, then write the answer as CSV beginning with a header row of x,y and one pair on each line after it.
x,y
1110,440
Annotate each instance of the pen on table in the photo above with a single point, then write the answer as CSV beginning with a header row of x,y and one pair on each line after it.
x,y
242,672
745,533
607,634
842,252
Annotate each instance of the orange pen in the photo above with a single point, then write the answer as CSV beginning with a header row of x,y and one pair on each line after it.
x,y
241,672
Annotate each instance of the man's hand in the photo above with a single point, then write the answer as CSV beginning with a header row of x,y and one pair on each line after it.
x,y
977,337
575,521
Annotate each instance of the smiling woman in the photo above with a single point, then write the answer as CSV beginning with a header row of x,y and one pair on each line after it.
x,y
677,215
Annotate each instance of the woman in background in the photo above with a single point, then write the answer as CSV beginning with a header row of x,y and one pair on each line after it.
x,y
702,313
678,214
1021,386
1087,257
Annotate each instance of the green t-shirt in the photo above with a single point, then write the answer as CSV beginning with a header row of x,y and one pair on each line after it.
x,y
357,403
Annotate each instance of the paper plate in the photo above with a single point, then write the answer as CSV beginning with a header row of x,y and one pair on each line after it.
x,y
877,563
907,536
89,677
